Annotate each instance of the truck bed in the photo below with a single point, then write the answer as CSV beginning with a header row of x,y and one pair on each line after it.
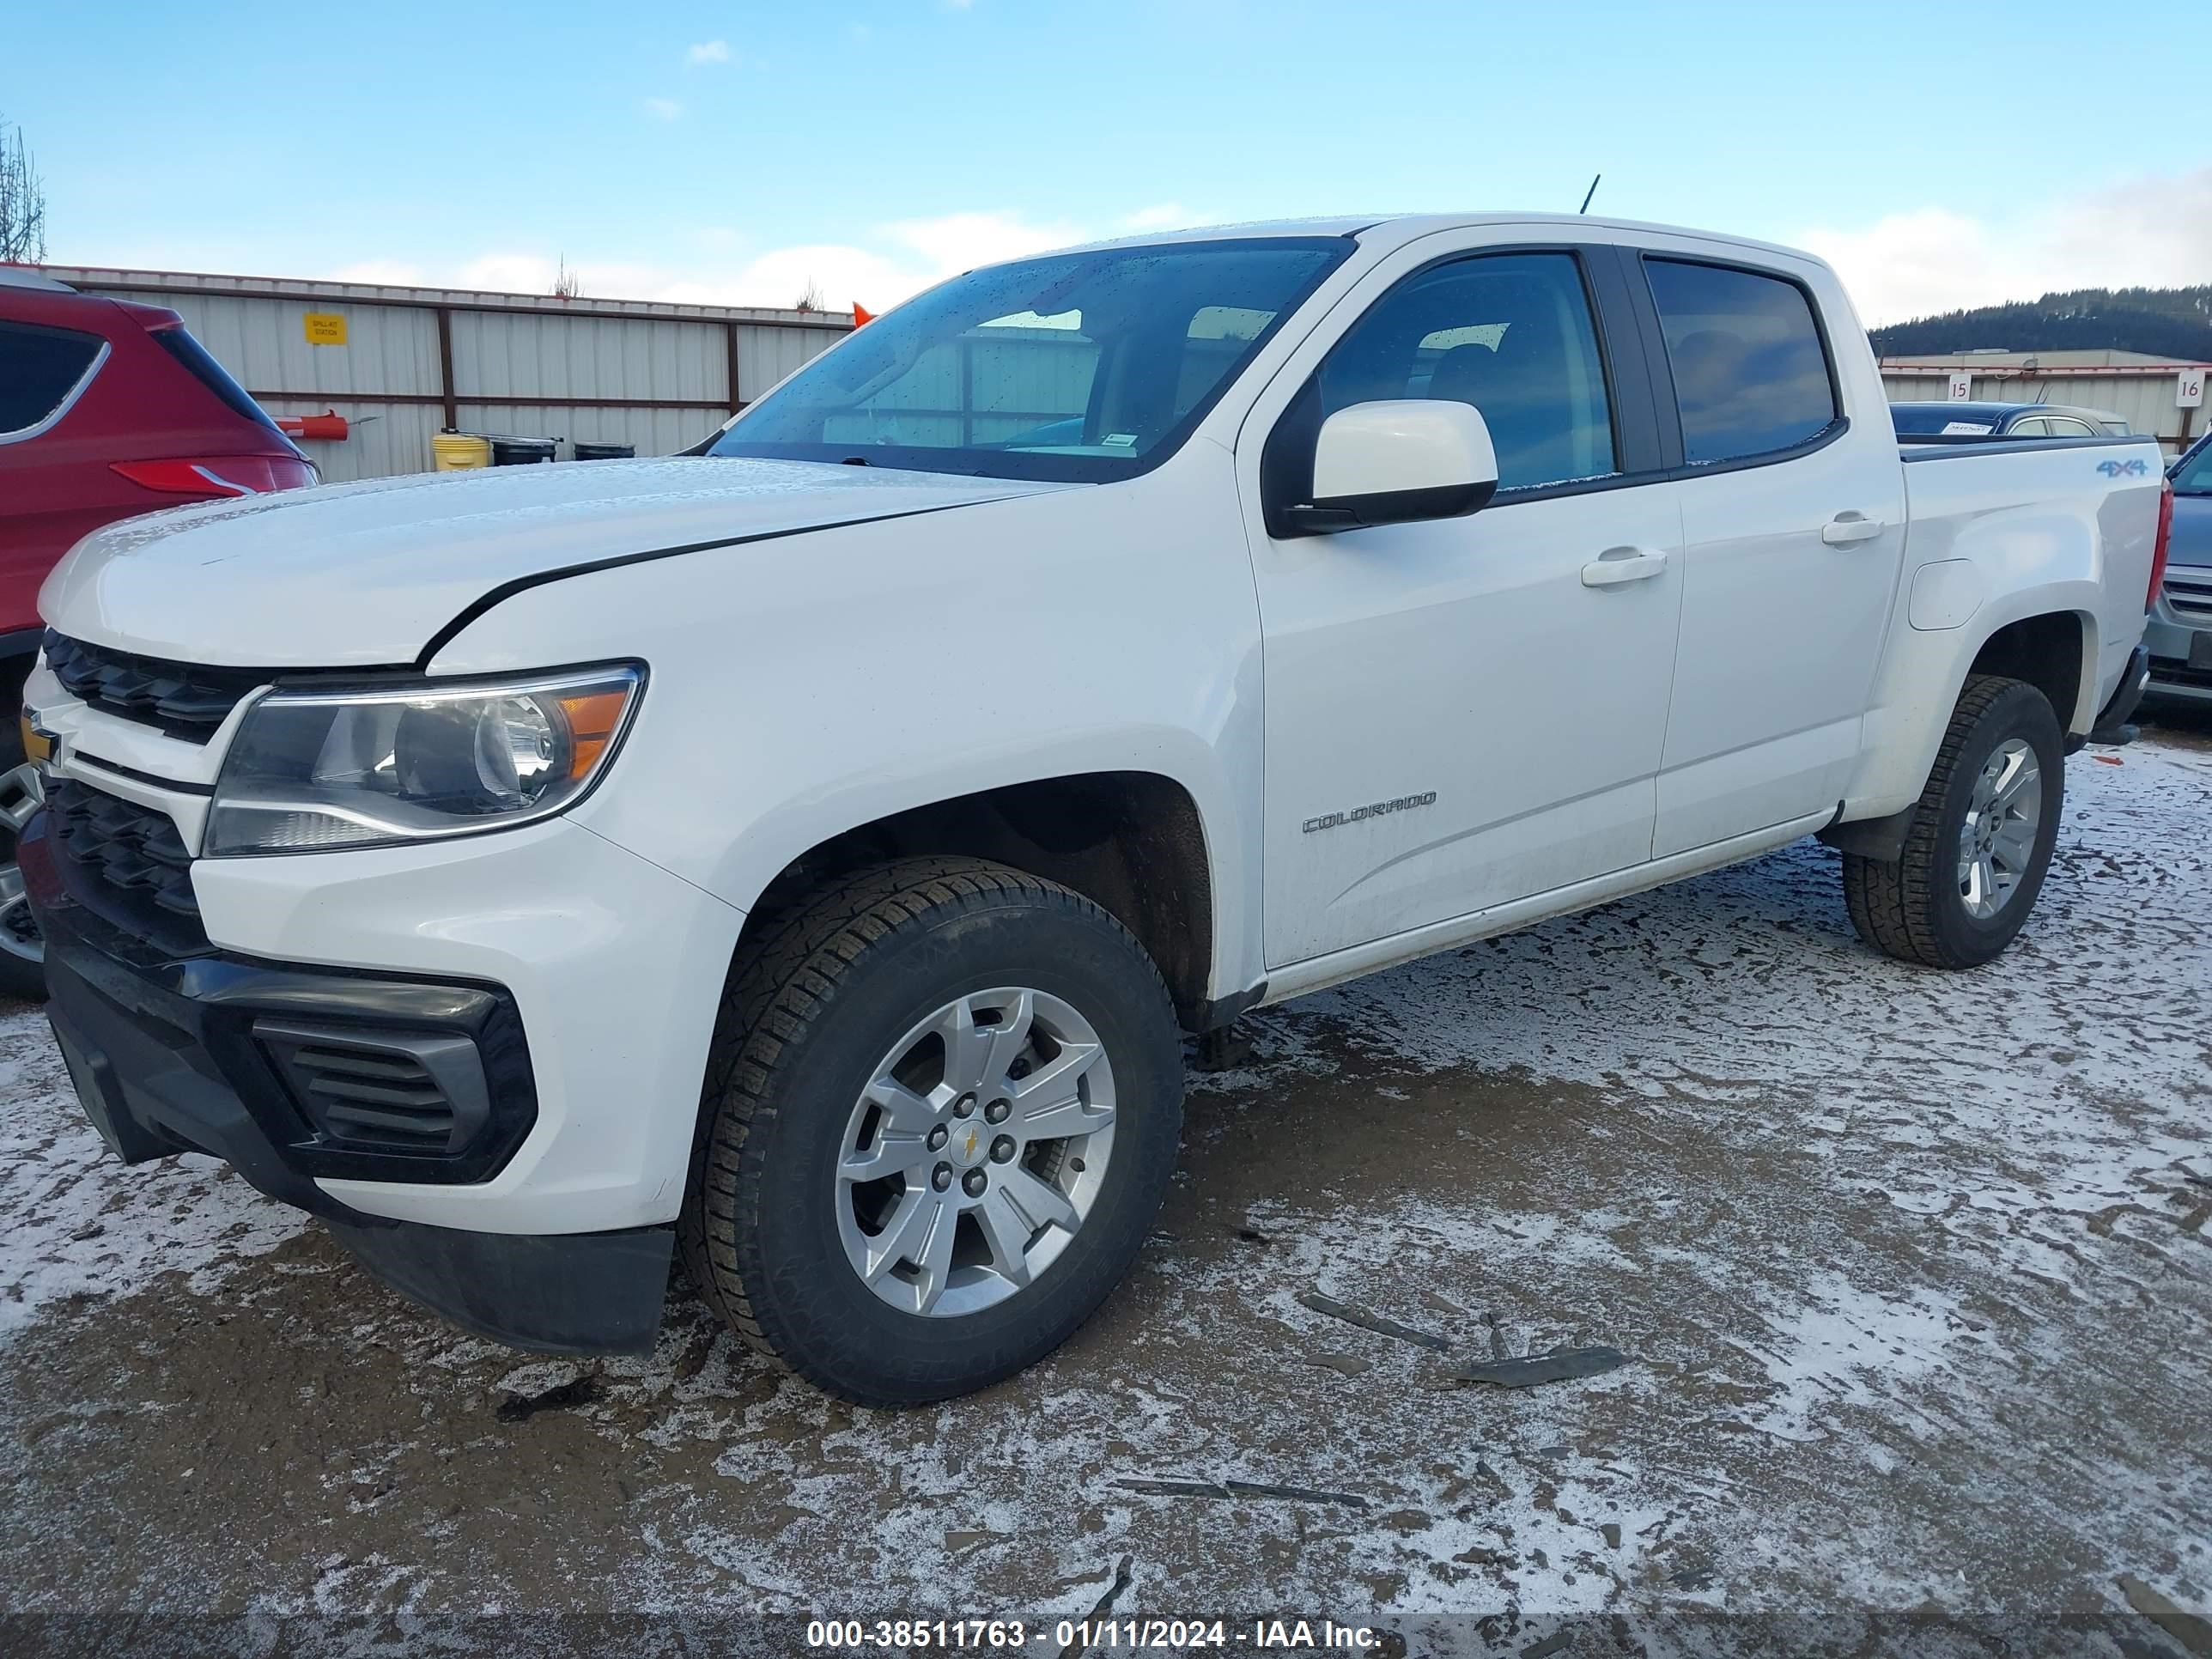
x,y
2085,510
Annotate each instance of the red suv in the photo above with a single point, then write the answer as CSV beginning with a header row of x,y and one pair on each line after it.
x,y
108,409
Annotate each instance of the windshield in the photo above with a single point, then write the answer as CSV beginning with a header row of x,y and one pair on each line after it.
x,y
2194,475
1078,367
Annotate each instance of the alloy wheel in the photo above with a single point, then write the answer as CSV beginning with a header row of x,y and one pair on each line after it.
x,y
1996,843
976,1151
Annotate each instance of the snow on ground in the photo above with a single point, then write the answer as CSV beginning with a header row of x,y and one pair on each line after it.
x,y
1913,1268
75,1224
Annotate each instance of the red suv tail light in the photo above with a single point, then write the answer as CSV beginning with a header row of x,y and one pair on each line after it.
x,y
213,477
2159,547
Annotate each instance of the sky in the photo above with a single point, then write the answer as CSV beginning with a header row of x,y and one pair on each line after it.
x,y
1940,156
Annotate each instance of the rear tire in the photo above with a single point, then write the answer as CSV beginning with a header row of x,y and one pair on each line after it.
x,y
1963,889
857,983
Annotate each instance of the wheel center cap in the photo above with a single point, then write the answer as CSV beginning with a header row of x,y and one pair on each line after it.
x,y
970,1144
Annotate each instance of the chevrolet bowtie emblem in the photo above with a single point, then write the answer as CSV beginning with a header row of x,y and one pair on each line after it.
x,y
971,1143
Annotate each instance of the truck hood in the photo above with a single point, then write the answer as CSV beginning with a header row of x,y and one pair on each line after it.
x,y
2192,530
366,574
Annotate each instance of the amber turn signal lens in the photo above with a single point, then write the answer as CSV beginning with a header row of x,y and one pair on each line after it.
x,y
592,720
35,746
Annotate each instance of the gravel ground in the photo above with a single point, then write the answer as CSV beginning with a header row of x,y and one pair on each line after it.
x,y
1911,1268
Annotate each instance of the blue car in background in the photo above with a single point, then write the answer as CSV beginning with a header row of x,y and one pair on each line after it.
x,y
2179,636
1929,423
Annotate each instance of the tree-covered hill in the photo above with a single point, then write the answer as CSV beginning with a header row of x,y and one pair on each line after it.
x,y
2165,322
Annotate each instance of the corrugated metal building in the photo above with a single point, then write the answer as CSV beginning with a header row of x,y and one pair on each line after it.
x,y
401,363
2144,391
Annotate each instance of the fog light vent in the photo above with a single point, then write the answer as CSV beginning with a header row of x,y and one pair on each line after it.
x,y
389,1091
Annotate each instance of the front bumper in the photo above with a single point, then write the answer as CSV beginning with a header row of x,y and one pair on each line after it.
x,y
289,1073
197,1050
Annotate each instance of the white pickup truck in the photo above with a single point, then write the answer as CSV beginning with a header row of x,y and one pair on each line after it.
x,y
807,856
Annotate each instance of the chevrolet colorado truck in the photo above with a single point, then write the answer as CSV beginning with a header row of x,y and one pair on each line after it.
x,y
805,857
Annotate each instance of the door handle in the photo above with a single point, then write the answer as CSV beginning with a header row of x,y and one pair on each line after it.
x,y
1617,565
1848,527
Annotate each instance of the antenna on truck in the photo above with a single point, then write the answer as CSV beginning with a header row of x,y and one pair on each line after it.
x,y
1591,191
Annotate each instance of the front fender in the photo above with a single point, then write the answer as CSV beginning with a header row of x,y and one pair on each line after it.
x,y
802,688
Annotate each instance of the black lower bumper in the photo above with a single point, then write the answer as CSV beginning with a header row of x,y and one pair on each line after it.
x,y
200,1053
549,1292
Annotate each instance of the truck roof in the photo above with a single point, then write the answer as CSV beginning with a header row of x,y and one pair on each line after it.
x,y
1394,230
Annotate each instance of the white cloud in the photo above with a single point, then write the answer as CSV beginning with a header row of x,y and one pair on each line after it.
x,y
707,52
663,109
1163,216
509,273
958,240
396,273
900,260
895,262
521,272
2148,232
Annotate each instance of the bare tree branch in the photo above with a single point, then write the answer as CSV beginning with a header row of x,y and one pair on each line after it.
x,y
22,201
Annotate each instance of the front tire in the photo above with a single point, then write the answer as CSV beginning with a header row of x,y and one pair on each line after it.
x,y
1980,837
22,952
940,1115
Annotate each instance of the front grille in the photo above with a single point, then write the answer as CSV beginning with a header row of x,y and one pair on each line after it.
x,y
2189,590
132,852
385,1091
176,698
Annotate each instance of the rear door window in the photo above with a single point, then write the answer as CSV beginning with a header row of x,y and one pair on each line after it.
x,y
1752,376
42,371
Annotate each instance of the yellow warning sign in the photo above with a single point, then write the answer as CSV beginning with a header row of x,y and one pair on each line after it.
x,y
325,328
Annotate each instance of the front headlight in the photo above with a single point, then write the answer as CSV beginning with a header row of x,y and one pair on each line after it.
x,y
312,771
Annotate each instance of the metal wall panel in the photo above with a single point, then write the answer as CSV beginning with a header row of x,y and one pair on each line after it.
x,y
765,355
524,356
385,438
523,365
263,343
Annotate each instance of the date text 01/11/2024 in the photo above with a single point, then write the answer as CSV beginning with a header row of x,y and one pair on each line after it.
x,y
1160,1635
